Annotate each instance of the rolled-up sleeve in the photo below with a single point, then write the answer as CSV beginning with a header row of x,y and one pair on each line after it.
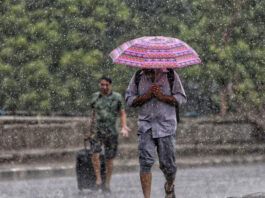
x,y
131,92
178,91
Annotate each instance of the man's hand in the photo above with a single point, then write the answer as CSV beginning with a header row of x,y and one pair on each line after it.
x,y
125,131
149,93
142,99
157,92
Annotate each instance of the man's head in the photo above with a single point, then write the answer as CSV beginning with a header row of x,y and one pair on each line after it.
x,y
105,85
149,71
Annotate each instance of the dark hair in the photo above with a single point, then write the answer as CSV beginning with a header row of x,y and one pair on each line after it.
x,y
106,78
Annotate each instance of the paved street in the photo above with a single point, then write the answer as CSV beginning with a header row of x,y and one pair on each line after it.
x,y
210,182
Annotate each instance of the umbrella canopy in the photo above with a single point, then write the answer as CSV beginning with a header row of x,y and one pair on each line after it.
x,y
155,52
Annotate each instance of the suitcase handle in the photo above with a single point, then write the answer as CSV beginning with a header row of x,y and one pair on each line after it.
x,y
85,142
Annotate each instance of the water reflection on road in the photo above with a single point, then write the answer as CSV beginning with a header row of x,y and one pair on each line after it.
x,y
211,182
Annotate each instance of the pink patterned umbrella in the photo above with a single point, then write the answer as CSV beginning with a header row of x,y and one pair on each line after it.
x,y
155,52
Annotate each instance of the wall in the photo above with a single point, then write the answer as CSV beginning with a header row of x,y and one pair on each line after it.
x,y
18,133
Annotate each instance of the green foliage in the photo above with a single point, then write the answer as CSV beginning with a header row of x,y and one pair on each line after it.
x,y
53,52
228,38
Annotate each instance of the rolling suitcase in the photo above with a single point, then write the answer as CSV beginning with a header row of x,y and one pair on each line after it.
x,y
86,178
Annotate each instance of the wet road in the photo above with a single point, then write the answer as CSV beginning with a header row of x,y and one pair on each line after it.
x,y
211,182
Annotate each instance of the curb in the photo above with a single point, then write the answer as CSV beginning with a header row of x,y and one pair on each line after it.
x,y
128,151
55,170
21,173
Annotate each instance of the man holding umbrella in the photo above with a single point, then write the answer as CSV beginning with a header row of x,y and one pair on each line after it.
x,y
157,90
157,123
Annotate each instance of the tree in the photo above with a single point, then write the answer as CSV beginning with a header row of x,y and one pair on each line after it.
x,y
53,52
228,36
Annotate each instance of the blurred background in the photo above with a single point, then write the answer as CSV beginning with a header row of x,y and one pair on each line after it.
x,y
52,53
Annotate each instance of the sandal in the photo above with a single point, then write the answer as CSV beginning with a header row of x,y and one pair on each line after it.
x,y
97,187
170,192
106,190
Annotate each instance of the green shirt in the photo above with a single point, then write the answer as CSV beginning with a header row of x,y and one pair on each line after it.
x,y
107,109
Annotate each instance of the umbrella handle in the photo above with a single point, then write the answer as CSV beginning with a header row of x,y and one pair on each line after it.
x,y
153,80
155,75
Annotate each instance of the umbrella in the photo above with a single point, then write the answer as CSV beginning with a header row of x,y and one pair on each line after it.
x,y
155,52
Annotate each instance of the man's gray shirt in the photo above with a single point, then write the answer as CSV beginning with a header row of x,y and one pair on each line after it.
x,y
154,114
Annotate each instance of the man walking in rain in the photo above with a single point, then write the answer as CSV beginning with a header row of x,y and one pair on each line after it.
x,y
157,97
106,107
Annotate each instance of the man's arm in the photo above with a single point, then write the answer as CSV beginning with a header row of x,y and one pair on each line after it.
x,y
92,120
125,129
140,100
168,99
131,93
157,92
132,97
178,91
178,96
